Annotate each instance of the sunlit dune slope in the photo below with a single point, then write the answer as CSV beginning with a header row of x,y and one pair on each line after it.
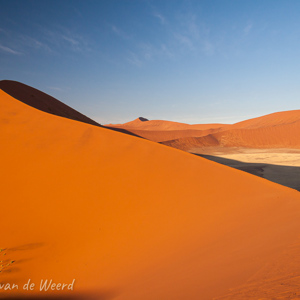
x,y
280,136
278,130
130,219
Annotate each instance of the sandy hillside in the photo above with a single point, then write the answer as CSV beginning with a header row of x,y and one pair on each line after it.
x,y
166,135
270,131
160,130
274,119
162,125
278,130
130,219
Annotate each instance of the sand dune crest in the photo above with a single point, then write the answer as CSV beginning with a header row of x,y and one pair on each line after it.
x,y
130,219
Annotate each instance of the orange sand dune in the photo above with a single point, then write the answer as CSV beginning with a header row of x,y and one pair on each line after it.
x,y
153,125
130,219
190,143
159,130
180,135
165,135
274,119
280,136
278,130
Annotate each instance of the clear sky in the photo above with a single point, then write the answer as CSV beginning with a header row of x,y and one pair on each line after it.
x,y
187,61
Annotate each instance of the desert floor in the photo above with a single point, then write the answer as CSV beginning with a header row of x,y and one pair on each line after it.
x,y
278,165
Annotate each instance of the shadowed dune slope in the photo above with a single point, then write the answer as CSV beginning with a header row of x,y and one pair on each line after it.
x,y
130,219
42,101
47,103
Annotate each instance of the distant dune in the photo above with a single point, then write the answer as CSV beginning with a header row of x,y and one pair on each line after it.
x,y
160,131
130,219
161,125
274,119
278,130
189,143
275,130
166,135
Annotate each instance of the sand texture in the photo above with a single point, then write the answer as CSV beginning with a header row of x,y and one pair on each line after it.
x,y
130,219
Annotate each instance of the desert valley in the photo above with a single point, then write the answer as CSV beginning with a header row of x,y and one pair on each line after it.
x,y
146,209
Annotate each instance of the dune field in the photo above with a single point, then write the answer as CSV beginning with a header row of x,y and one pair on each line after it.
x,y
109,215
277,130
162,131
266,146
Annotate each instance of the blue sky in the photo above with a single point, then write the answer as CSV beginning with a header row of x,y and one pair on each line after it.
x,y
186,61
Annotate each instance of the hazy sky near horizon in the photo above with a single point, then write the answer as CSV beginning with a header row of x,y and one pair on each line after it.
x,y
180,60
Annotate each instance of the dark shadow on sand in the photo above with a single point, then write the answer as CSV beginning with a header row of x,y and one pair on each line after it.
x,y
285,175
